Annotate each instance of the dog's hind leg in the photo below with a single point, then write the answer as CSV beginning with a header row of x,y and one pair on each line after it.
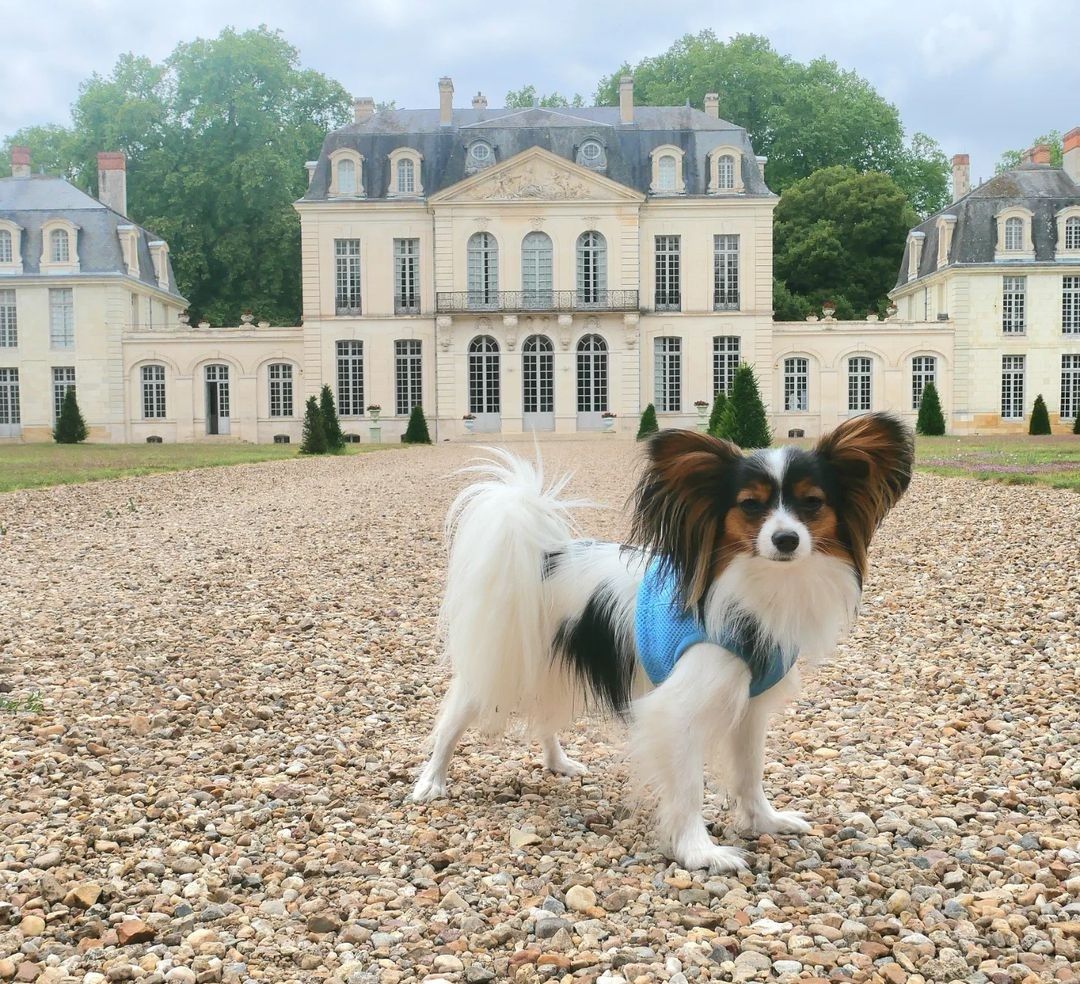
x,y
556,759
456,715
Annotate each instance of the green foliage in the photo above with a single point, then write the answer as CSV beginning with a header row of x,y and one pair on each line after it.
x,y
839,235
313,440
417,431
719,402
70,427
648,423
335,440
30,704
744,420
527,96
803,117
1013,158
215,136
1040,419
1076,423
931,421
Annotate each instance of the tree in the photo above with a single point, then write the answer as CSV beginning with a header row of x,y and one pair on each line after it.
x,y
70,427
527,96
803,117
931,421
1014,158
1040,419
417,431
648,423
744,420
839,235
719,402
215,137
335,440
313,440
1076,422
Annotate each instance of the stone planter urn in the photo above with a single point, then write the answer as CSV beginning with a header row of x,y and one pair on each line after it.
x,y
374,412
608,423
702,409
469,422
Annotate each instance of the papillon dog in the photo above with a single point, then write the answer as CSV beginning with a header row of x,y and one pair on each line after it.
x,y
742,569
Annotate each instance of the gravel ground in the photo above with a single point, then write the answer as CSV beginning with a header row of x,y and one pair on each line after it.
x,y
238,671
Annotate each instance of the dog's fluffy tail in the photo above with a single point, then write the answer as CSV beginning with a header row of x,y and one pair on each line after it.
x,y
495,619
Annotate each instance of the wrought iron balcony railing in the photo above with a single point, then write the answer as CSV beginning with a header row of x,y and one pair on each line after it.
x,y
448,302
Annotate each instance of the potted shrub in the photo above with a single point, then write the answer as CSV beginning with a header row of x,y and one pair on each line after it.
x,y
469,420
828,309
373,412
702,408
608,418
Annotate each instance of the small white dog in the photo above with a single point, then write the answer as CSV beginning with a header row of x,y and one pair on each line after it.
x,y
741,565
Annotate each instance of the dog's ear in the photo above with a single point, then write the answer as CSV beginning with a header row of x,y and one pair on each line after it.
x,y
680,503
872,457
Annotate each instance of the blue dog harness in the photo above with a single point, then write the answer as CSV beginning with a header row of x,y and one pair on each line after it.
x,y
664,630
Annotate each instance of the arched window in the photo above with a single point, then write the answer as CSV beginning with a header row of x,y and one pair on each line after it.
x,y
406,176
1072,233
483,375
665,173
725,172
536,270
538,374
1014,233
483,270
346,176
6,253
592,374
591,268
59,246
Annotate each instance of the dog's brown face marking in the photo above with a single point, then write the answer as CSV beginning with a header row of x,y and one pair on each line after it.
x,y
743,523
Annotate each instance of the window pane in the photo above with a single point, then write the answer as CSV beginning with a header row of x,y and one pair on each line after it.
x,y
1070,305
281,389
667,380
350,376
60,244
153,392
61,318
406,177
665,173
536,270
483,270
592,375
6,255
725,172
725,273
591,268
347,283
1070,386
538,375
1013,298
483,375
1072,233
796,384
406,276
63,380
9,396
859,379
346,176
9,331
408,375
1012,387
667,273
923,371
1014,233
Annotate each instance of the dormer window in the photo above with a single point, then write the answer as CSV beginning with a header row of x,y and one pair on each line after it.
x,y
591,154
346,177
10,247
725,171
667,171
1072,232
346,174
1068,233
6,250
480,155
1014,233
59,246
406,176
915,246
405,173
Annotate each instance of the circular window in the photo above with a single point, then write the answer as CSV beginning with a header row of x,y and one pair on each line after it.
x,y
591,150
480,152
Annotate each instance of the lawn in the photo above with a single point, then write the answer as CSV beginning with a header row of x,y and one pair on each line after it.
x,y
1016,459
27,466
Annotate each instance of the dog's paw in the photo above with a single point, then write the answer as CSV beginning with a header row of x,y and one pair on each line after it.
x,y
717,860
565,766
428,787
772,822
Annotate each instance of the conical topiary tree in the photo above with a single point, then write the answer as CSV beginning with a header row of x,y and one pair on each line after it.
x,y
70,427
1040,419
1076,422
719,402
335,440
744,420
314,439
931,421
417,432
648,423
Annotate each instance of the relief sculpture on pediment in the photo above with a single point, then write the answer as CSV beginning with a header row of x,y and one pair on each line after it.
x,y
526,183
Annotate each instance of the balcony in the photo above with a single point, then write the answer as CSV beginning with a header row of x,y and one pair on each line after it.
x,y
455,301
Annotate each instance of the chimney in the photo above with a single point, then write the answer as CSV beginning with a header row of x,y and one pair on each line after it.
x,y
1070,159
1026,156
479,101
712,104
363,108
961,176
446,101
626,99
112,180
1040,154
20,162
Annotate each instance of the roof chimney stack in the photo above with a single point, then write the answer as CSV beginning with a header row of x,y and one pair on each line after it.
x,y
20,162
712,105
626,99
1040,154
446,101
479,101
112,180
961,176
1070,158
363,108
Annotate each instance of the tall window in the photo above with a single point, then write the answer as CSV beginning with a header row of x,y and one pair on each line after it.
x,y
668,295
406,176
6,254
63,379
1013,303
1070,305
923,371
858,384
1070,386
407,276
1072,232
592,374
667,379
797,384
350,378
153,392
536,270
9,397
1014,233
9,325
1012,387
725,172
59,246
483,270
725,360
346,176
347,279
281,393
483,375
725,273
538,374
61,318
666,169
591,268
408,374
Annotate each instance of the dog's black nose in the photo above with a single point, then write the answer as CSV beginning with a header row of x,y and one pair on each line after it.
x,y
786,541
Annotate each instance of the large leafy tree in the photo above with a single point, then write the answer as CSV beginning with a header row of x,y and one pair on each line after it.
x,y
803,117
839,235
216,137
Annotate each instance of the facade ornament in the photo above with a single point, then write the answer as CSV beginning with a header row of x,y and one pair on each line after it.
x,y
483,325
592,324
566,322
630,323
537,222
526,183
443,325
246,318
482,221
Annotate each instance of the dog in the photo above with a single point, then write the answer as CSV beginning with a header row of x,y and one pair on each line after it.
x,y
739,565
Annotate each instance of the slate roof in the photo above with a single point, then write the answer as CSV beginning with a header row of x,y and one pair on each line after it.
x,y
560,131
32,201
1043,189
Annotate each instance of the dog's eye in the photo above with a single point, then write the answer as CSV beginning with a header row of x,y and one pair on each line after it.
x,y
752,507
812,503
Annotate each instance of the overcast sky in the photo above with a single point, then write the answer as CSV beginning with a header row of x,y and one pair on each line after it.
x,y
980,77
